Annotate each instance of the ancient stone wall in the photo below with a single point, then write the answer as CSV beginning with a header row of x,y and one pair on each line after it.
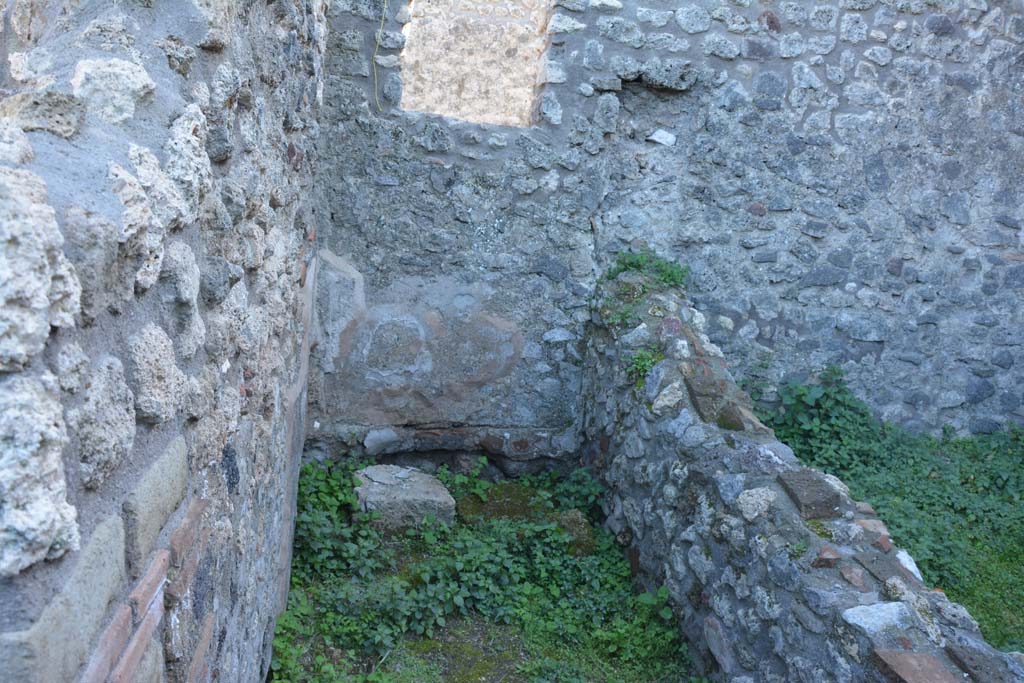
x,y
847,190
774,572
843,178
155,282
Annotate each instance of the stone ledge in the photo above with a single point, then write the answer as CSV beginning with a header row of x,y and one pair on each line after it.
x,y
57,643
153,501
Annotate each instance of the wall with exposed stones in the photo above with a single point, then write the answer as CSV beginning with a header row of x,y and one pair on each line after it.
x,y
842,177
155,285
775,573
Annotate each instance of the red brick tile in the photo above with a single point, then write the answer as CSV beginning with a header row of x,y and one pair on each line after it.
x,y
185,535
111,644
127,666
827,557
914,667
883,543
855,577
182,580
198,670
156,574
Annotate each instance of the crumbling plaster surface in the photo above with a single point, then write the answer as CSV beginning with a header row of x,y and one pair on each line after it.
x,y
157,229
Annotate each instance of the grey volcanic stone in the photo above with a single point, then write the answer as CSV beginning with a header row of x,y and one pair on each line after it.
x,y
403,496
813,495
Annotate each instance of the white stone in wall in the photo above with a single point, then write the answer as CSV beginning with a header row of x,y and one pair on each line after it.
x,y
111,87
165,198
159,385
880,617
36,520
14,145
755,502
38,286
187,164
104,423
141,232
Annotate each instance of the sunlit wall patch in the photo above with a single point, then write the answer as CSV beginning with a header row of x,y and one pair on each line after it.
x,y
476,60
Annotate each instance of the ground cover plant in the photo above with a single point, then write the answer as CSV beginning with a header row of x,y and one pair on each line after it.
x,y
956,504
521,589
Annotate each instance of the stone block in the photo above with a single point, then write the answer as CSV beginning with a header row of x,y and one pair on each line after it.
x,y
36,521
982,662
755,502
884,566
104,423
153,501
813,496
159,385
111,87
914,667
855,577
827,558
39,288
403,496
876,619
55,646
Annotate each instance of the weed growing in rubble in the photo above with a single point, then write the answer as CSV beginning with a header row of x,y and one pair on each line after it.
x,y
956,504
621,309
664,272
490,598
641,363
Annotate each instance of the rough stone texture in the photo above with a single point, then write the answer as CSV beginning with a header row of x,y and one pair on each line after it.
x,y
111,87
158,383
480,64
36,520
716,513
403,496
843,180
161,155
105,423
38,287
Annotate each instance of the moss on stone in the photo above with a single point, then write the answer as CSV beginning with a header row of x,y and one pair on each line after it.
x,y
473,650
818,527
507,500
575,523
511,500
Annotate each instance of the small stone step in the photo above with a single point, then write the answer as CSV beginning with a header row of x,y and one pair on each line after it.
x,y
403,496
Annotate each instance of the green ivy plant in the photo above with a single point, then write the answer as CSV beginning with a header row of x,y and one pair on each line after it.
x,y
357,596
662,271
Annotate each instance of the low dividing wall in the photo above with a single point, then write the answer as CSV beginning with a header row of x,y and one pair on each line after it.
x,y
775,573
